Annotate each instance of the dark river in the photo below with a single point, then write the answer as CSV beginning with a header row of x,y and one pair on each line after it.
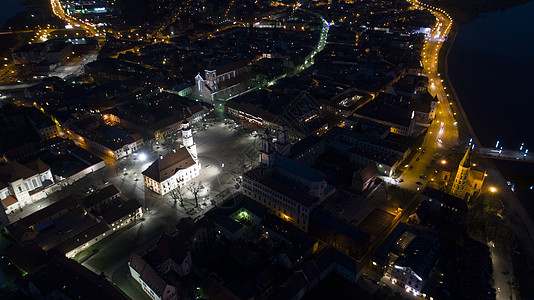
x,y
491,65
9,8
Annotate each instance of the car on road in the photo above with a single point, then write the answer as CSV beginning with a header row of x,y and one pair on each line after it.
x,y
418,183
399,180
417,159
207,166
423,176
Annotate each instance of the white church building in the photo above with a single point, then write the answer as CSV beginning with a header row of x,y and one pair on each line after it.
x,y
176,168
19,183
222,82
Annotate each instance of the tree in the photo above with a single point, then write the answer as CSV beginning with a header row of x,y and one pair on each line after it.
x,y
253,159
195,187
176,195
242,165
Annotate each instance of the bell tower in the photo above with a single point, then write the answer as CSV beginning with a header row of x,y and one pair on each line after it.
x,y
267,154
461,182
211,76
187,140
282,142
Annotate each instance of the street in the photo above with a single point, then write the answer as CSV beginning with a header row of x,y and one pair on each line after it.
x,y
219,144
442,135
221,149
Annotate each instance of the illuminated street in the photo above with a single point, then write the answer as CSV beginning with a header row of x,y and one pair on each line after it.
x,y
442,135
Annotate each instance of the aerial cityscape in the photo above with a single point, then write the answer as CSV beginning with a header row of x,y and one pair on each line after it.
x,y
266,149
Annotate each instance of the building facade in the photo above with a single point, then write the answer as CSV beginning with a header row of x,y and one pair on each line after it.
x,y
222,82
176,168
21,181
468,181
288,188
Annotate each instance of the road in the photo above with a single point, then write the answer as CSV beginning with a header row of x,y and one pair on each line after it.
x,y
57,9
442,135
219,148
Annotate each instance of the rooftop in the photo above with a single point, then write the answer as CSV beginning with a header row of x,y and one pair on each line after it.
x,y
299,170
103,194
281,187
165,167
47,212
122,210
445,198
67,277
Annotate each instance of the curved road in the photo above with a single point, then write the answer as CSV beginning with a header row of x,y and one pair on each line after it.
x,y
442,135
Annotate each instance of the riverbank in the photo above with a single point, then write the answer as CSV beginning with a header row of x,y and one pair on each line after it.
x,y
465,11
465,130
521,220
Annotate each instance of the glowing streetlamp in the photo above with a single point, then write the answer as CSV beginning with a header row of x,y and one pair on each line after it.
x,y
493,189
142,157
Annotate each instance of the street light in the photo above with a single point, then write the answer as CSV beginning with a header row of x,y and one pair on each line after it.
x,y
493,189
142,157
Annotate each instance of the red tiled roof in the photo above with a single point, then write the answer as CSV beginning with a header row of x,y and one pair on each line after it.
x,y
196,109
8,201
148,274
230,67
13,171
38,166
164,123
368,172
164,168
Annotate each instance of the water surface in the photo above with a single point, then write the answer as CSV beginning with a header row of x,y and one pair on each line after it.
x,y
9,8
491,65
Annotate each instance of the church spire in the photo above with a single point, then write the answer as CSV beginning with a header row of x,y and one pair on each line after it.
x,y
267,154
466,160
187,139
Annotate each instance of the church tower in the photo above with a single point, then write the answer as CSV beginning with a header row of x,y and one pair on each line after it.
x,y
211,77
267,154
411,127
282,142
461,184
199,84
187,140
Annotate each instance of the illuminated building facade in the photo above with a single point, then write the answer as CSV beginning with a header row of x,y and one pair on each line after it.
x,y
176,168
468,180
19,182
